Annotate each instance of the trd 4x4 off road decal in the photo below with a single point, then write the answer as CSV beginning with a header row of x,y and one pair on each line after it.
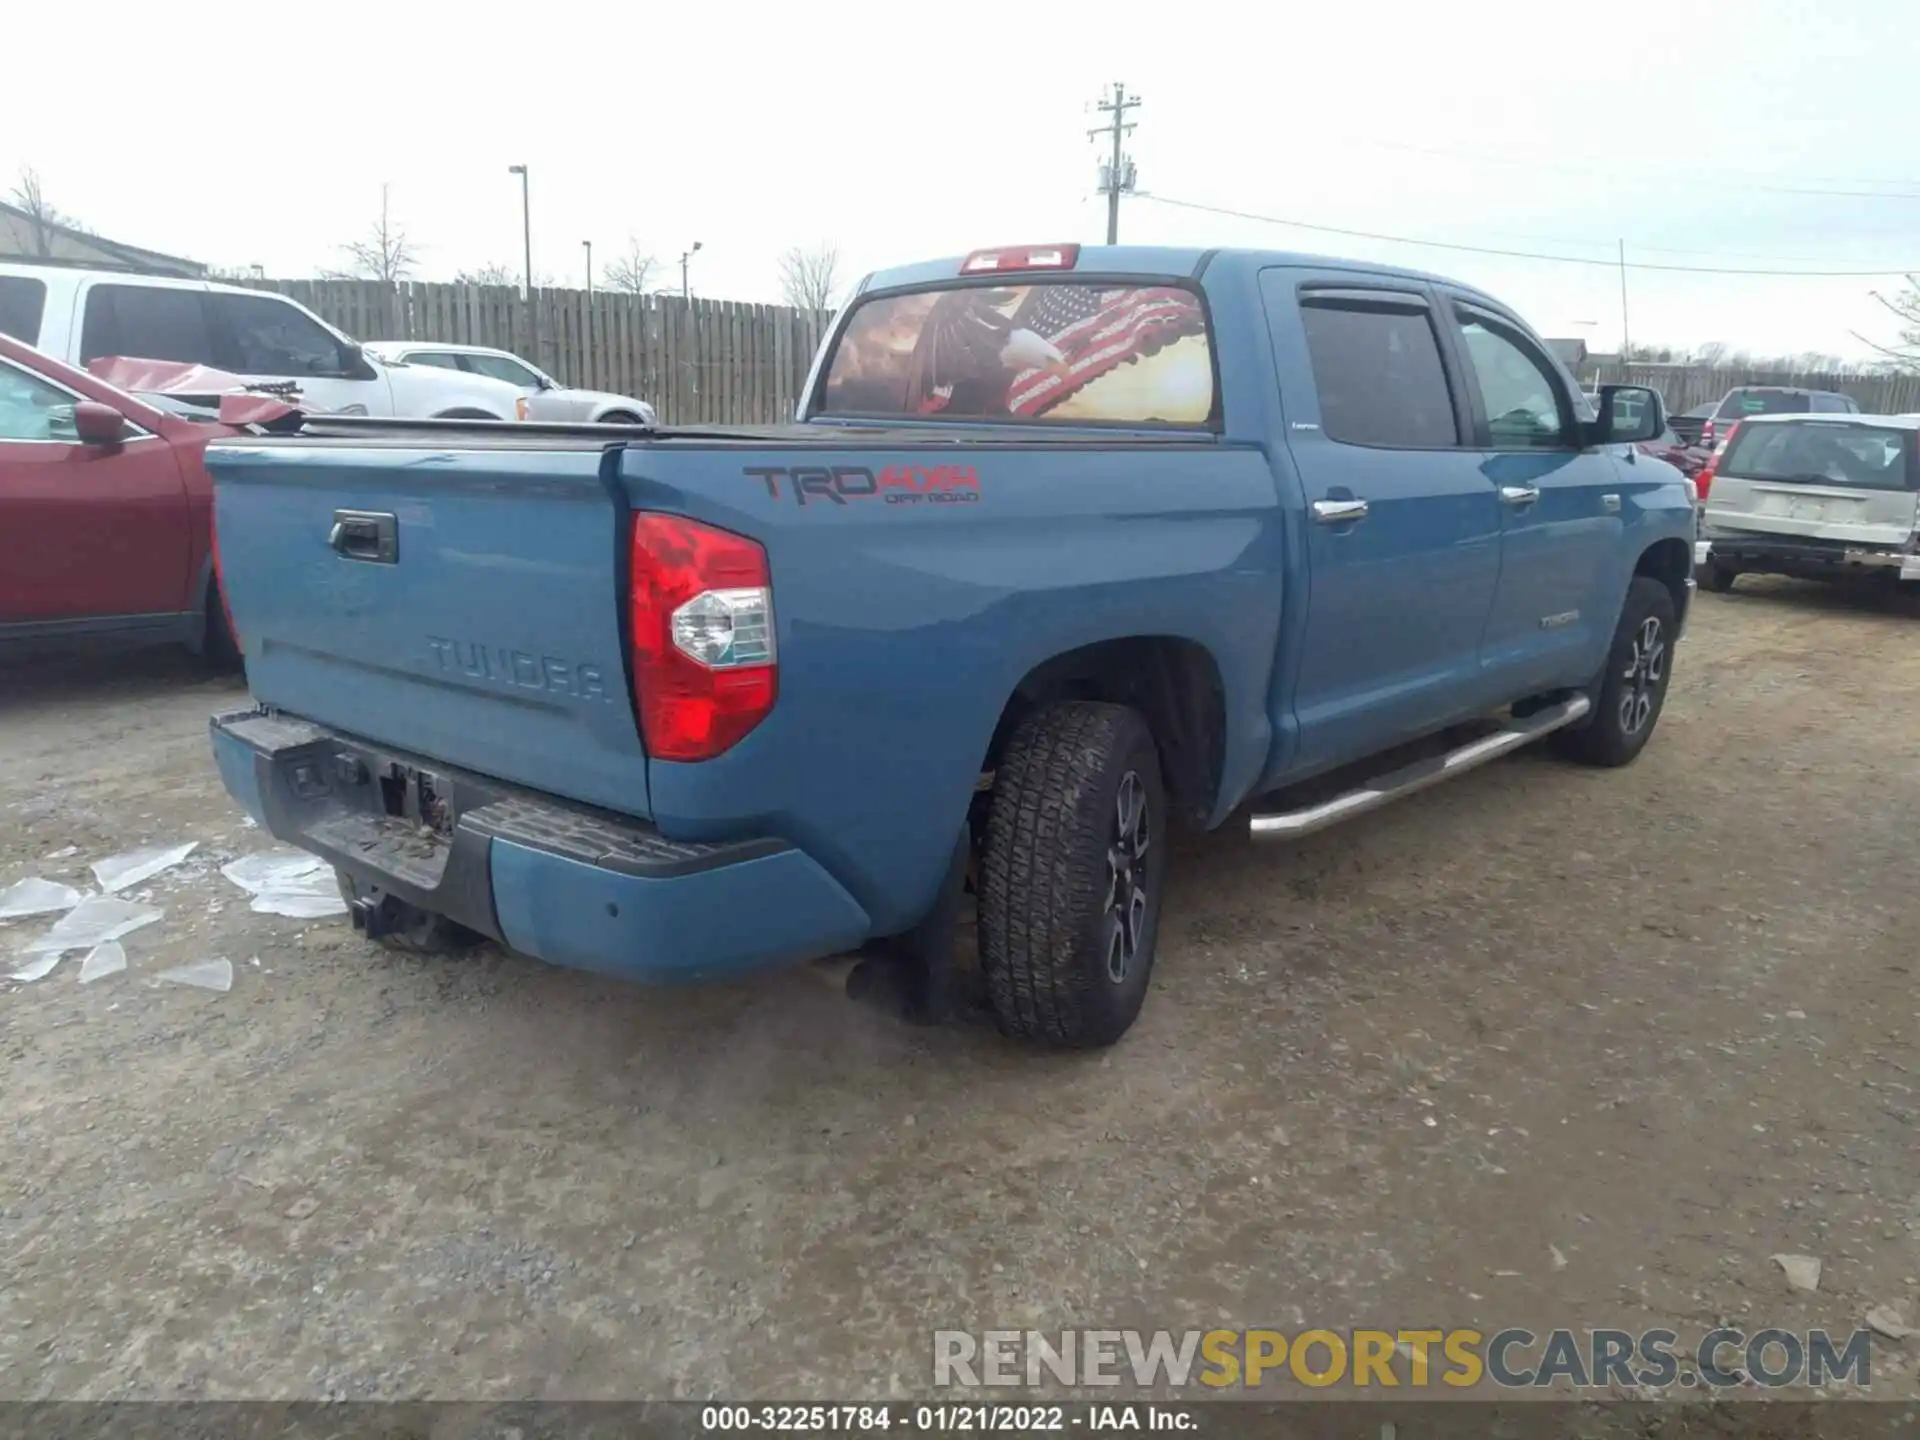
x,y
894,484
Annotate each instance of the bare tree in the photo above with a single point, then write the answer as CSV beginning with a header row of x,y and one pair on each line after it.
x,y
631,270
494,274
1904,306
42,218
809,277
386,254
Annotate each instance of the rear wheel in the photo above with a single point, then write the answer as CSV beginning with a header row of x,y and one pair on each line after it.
x,y
1632,689
1071,875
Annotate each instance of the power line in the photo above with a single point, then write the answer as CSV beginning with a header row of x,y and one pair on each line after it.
x,y
1518,254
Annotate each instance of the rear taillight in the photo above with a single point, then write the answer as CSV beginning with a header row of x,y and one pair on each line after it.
x,y
1706,434
220,584
1704,480
701,607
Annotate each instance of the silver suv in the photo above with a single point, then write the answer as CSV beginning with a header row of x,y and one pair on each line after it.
x,y
1816,496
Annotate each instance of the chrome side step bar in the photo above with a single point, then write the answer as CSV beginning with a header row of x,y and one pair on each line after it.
x,y
1422,774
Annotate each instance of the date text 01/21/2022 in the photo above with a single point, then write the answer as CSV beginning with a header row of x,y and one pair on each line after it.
x,y
943,1419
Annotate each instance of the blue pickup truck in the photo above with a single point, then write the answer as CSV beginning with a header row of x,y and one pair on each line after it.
x,y
1066,544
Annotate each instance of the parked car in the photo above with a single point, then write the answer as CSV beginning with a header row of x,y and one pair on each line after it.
x,y
546,398
81,315
104,511
1043,567
1691,427
1745,401
1820,498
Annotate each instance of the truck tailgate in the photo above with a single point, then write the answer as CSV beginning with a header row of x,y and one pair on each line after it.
x,y
467,611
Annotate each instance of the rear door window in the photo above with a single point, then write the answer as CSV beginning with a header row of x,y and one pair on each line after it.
x,y
1859,457
502,367
22,301
438,359
1065,352
1377,371
149,322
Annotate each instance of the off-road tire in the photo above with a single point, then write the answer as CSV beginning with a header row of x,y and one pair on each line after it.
x,y
1717,576
1635,672
1048,879
421,932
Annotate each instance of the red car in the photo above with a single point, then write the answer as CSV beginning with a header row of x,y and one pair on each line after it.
x,y
105,513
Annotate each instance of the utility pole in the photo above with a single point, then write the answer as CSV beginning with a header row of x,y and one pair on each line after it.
x,y
1626,347
588,367
1118,173
526,225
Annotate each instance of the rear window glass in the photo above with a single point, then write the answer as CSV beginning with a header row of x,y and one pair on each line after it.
x,y
1764,402
148,322
1061,351
21,302
1862,457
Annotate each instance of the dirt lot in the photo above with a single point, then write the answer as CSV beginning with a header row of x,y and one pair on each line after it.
x,y
1544,1047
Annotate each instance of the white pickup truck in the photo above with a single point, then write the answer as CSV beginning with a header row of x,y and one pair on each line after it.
x,y
80,315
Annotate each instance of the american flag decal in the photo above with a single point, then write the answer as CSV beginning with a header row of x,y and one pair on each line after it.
x,y
1096,333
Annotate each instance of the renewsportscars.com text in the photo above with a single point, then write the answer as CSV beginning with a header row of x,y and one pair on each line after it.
x,y
1390,1359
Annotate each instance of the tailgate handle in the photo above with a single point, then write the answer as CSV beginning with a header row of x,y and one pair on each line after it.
x,y
369,535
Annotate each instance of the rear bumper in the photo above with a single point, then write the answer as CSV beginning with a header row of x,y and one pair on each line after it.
x,y
1792,555
556,881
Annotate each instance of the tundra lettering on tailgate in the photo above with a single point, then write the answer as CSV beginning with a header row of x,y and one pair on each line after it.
x,y
895,484
519,669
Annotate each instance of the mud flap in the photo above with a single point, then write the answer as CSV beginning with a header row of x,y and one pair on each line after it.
x,y
914,975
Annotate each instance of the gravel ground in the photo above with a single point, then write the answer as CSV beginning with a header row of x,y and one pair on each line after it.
x,y
1546,1046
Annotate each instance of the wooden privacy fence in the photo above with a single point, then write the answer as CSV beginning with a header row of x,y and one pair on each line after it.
x,y
1685,386
697,362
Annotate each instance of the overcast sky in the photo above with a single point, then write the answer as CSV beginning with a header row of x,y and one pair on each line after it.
x,y
262,134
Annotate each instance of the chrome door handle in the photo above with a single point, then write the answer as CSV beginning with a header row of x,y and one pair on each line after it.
x,y
1339,512
1518,495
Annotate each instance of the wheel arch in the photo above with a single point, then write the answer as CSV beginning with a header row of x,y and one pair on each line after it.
x,y
1670,561
1174,682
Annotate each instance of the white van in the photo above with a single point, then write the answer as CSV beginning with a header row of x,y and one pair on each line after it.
x,y
78,314
1815,496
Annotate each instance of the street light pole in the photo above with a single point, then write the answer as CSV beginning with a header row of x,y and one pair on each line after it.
x,y
686,290
526,226
587,245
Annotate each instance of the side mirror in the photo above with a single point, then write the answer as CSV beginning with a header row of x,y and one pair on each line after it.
x,y
97,424
355,362
1629,414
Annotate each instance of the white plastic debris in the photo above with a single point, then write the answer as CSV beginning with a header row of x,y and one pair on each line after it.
x,y
38,969
287,882
102,961
1887,1320
204,974
65,852
34,896
1802,1271
94,921
117,872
